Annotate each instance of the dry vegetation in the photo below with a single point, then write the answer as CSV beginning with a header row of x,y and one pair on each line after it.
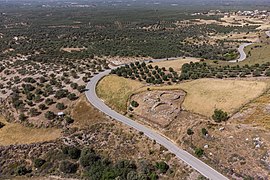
x,y
256,113
228,146
33,91
175,64
85,115
203,95
259,53
14,133
120,89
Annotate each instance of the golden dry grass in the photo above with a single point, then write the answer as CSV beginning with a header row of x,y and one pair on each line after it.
x,y
175,64
259,109
13,133
258,55
115,91
204,95
253,37
85,114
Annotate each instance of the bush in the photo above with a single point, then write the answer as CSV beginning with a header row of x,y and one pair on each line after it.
x,y
42,107
88,157
199,152
49,115
72,96
81,89
21,170
134,104
39,162
153,176
48,101
69,120
60,106
61,93
220,115
22,117
74,153
1,125
162,166
204,131
267,72
68,167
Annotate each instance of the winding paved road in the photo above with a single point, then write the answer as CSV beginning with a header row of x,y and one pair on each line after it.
x,y
195,163
242,53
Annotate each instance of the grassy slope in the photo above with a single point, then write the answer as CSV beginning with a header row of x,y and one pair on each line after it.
x,y
258,55
203,95
115,91
175,64
13,133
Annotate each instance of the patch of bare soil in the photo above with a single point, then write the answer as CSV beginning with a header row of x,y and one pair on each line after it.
x,y
116,60
71,49
159,107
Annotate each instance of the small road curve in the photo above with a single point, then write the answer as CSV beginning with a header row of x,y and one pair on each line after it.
x,y
192,161
242,53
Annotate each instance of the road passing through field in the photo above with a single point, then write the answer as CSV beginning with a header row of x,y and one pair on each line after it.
x,y
192,161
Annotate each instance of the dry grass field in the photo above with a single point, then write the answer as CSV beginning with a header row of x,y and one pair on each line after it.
x,y
203,95
85,114
13,133
256,113
252,36
175,64
115,91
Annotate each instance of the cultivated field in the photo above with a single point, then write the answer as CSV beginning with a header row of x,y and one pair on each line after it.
x,y
13,133
203,95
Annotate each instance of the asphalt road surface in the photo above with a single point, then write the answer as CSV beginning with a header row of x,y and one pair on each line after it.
x,y
242,53
267,33
194,162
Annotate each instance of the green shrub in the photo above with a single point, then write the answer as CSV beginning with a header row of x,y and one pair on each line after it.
x,y
49,115
199,152
88,157
69,120
39,162
74,153
60,106
162,166
134,103
204,131
220,115
68,167
21,170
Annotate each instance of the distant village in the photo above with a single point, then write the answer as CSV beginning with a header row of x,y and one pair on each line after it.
x,y
261,14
